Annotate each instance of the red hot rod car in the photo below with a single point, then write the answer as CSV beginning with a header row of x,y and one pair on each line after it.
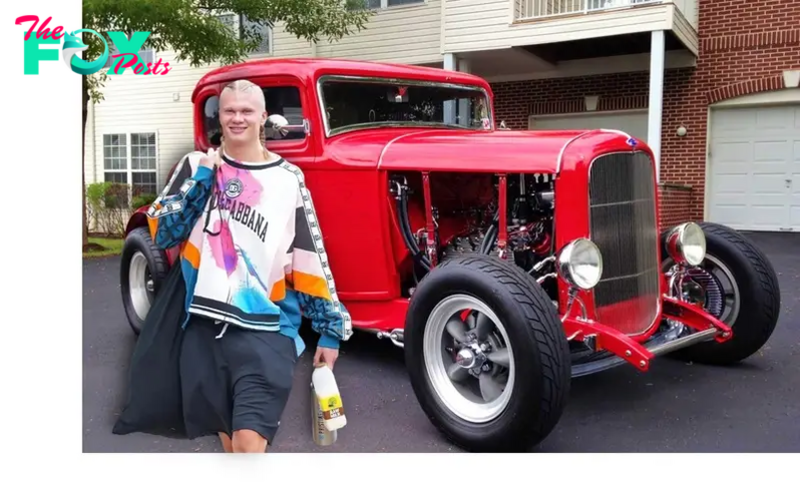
x,y
504,262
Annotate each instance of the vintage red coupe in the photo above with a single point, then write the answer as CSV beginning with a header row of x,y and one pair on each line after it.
x,y
504,262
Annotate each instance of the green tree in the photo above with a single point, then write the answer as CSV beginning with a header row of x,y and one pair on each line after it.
x,y
189,28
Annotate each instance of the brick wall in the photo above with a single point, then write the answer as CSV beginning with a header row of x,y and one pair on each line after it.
x,y
744,48
515,101
676,203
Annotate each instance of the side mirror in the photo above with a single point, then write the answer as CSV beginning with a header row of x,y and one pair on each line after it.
x,y
277,126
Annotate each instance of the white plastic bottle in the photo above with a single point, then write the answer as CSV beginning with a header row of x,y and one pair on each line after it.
x,y
330,401
322,436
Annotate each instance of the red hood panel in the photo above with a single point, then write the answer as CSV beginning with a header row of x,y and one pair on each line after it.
x,y
469,151
475,151
490,151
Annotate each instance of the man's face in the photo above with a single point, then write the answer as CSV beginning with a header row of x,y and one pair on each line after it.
x,y
240,116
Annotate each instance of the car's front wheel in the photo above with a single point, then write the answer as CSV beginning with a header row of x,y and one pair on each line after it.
x,y
738,285
487,356
143,268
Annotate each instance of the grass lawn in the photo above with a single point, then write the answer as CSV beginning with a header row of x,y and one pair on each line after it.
x,y
102,247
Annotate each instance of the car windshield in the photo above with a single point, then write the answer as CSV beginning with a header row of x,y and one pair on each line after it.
x,y
351,104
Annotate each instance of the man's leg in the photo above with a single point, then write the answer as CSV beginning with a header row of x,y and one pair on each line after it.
x,y
262,369
206,387
227,445
249,441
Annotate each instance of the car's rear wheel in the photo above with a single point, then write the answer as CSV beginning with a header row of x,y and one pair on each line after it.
x,y
143,268
487,355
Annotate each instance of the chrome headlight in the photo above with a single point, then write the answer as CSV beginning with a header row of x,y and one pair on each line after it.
x,y
580,263
686,244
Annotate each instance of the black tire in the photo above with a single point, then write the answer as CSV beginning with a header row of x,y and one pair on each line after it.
x,y
539,346
139,243
759,298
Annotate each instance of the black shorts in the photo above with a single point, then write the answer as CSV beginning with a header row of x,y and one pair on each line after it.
x,y
241,380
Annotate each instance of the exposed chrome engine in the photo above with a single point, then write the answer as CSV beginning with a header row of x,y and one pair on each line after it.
x,y
529,226
467,220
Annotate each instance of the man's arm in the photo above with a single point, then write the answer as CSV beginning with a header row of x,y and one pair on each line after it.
x,y
312,278
173,214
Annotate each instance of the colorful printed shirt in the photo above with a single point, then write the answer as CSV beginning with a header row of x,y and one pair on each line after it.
x,y
252,252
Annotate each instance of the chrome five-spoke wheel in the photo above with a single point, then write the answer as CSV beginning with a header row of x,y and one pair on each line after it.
x,y
141,285
469,358
142,270
486,354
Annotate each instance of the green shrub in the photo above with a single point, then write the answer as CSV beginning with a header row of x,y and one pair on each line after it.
x,y
117,195
143,199
108,208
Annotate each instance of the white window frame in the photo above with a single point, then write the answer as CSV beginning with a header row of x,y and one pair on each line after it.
x,y
237,27
385,5
129,171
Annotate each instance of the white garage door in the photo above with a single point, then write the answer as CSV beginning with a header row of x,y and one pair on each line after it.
x,y
754,168
634,123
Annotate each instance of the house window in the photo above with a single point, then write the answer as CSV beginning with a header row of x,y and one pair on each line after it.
x,y
143,163
383,4
239,24
283,100
131,159
264,30
229,19
395,3
115,154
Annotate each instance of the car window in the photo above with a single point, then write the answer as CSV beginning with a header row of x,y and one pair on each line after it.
x,y
283,100
211,120
369,103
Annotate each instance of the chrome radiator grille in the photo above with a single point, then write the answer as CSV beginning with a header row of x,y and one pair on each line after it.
x,y
623,224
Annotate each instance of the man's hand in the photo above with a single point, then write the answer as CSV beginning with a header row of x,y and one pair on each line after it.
x,y
211,159
325,355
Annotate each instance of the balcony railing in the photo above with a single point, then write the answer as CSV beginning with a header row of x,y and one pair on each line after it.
x,y
539,9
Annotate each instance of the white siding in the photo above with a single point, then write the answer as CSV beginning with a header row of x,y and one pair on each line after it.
x,y
286,44
688,9
88,146
685,31
146,104
408,34
471,25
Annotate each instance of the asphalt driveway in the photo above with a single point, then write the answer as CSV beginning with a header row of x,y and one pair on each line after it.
x,y
676,407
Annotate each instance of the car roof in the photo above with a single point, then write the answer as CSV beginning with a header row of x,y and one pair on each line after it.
x,y
310,69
